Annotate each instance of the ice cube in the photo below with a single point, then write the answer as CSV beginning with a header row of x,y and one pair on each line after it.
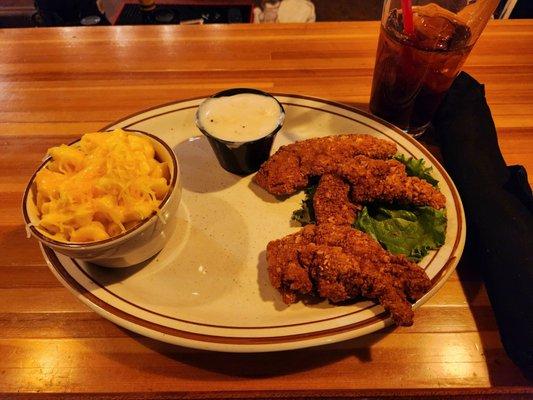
x,y
433,32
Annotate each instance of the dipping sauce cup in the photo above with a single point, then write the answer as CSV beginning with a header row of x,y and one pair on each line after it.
x,y
241,125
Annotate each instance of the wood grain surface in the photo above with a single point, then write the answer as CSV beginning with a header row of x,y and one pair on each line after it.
x,y
59,83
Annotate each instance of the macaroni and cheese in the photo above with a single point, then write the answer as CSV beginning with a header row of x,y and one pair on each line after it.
x,y
99,187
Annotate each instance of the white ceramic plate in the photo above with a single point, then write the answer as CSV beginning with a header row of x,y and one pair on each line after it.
x,y
209,288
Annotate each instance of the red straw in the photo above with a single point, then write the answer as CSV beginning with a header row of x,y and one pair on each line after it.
x,y
407,10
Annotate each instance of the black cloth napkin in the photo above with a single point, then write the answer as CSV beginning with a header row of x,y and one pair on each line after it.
x,y
499,211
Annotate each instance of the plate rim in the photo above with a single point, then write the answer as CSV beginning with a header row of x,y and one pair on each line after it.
x,y
260,344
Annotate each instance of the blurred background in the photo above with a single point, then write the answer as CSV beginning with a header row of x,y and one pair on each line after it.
x,y
42,13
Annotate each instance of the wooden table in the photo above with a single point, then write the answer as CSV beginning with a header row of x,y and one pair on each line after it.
x,y
58,83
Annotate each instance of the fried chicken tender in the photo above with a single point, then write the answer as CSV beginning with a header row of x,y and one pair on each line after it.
x,y
331,202
371,179
340,263
288,170
359,159
386,180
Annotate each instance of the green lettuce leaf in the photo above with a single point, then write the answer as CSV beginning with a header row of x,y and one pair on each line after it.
x,y
417,168
411,231
306,214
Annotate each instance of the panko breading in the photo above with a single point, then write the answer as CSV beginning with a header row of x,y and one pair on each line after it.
x,y
369,172
340,263
387,181
331,202
288,170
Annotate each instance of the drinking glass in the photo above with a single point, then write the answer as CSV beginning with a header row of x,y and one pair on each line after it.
x,y
422,47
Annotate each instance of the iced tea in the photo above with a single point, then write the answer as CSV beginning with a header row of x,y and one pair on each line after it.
x,y
414,71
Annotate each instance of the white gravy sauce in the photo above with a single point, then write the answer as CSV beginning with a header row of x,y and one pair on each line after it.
x,y
239,118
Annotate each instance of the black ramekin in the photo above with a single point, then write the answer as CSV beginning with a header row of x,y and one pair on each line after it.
x,y
242,158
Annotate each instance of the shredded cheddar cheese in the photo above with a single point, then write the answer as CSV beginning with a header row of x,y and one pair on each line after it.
x,y
99,187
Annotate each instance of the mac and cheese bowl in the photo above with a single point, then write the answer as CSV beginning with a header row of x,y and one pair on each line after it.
x,y
109,198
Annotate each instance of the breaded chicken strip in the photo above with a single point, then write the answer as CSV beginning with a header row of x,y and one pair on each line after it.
x,y
288,170
370,179
386,180
286,272
408,276
331,202
340,263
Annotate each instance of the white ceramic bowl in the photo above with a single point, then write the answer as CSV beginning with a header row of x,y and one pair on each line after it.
x,y
129,248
